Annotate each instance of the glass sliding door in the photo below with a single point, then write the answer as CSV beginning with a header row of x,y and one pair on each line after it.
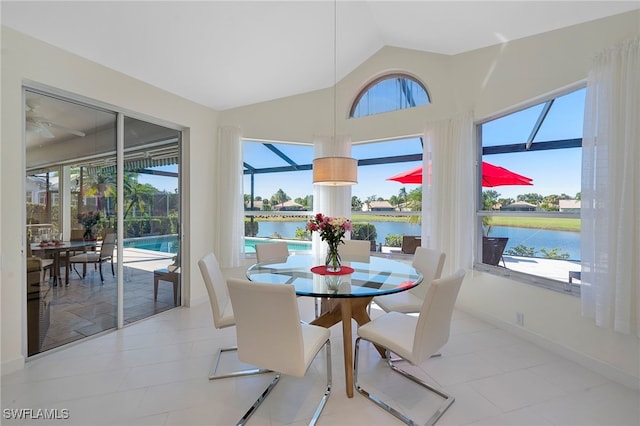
x,y
67,221
152,277
72,220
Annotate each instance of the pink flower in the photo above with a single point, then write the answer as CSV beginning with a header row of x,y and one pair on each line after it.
x,y
331,229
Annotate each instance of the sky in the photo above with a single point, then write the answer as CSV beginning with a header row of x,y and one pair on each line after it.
x,y
553,171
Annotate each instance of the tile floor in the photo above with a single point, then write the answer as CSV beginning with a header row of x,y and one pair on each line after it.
x,y
154,372
87,306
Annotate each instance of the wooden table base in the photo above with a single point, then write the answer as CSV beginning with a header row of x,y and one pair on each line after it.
x,y
346,309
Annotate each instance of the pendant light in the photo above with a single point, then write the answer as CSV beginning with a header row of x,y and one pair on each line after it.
x,y
335,171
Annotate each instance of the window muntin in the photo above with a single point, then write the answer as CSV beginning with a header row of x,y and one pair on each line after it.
x,y
389,93
408,146
543,244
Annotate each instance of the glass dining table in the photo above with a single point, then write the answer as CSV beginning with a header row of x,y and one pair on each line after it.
x,y
345,295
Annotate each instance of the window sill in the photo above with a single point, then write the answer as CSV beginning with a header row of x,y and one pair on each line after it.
x,y
535,280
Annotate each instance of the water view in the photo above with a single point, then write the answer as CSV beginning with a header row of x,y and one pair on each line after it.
x,y
567,242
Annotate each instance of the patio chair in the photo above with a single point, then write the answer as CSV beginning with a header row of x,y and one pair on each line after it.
x,y
105,254
410,243
170,274
76,235
413,339
270,335
37,267
492,250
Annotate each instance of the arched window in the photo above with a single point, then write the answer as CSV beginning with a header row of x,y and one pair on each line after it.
x,y
389,93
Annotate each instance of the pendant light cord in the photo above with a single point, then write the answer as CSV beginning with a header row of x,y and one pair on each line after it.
x,y
335,72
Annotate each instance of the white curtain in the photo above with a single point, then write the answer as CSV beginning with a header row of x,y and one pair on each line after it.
x,y
228,216
610,238
449,192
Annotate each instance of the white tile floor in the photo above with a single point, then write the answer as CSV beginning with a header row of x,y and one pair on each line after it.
x,y
155,373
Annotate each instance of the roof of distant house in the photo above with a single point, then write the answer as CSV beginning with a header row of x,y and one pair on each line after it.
x,y
380,205
288,204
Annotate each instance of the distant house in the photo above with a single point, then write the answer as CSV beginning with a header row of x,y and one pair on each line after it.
x,y
519,206
569,206
257,205
377,206
289,206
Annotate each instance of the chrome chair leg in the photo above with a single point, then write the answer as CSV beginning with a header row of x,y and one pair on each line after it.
x,y
259,401
397,359
448,399
248,372
275,381
327,392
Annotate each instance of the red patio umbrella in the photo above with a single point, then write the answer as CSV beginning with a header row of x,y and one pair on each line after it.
x,y
491,176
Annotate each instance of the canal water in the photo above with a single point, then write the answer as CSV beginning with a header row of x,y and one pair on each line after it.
x,y
566,242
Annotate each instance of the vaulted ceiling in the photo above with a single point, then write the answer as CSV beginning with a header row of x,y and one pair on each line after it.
x,y
225,54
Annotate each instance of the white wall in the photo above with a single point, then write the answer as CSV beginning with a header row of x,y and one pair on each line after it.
x,y
26,59
300,118
489,81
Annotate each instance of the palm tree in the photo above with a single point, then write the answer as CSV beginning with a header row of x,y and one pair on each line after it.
x,y
402,197
135,194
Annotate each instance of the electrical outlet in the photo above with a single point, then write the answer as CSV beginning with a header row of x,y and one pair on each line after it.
x,y
520,319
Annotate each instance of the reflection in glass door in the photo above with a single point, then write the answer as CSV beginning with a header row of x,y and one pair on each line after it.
x,y
67,221
72,227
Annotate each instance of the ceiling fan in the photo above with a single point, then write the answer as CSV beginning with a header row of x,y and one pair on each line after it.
x,y
42,126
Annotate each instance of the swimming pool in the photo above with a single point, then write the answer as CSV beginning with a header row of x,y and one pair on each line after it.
x,y
169,243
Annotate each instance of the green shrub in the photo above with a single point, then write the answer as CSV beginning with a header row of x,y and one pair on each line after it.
x,y
303,234
364,231
554,253
393,240
250,228
521,250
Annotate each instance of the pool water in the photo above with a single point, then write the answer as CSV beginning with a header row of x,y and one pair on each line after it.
x,y
169,243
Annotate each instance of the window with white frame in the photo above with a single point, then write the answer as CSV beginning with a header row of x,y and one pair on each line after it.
x,y
529,202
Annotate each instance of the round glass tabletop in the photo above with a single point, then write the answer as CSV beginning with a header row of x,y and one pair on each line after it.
x,y
371,278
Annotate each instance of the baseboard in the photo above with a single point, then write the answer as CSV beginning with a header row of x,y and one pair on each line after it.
x,y
11,366
607,370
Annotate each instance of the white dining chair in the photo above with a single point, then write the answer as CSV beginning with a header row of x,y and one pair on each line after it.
x,y
413,339
355,250
270,335
430,263
272,251
221,310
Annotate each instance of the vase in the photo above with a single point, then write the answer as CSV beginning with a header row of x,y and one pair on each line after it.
x,y
90,234
333,261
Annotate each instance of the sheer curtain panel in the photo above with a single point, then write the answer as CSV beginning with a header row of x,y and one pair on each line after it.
x,y
610,241
228,216
449,193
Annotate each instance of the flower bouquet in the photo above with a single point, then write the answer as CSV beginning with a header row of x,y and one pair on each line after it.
x,y
89,220
331,230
